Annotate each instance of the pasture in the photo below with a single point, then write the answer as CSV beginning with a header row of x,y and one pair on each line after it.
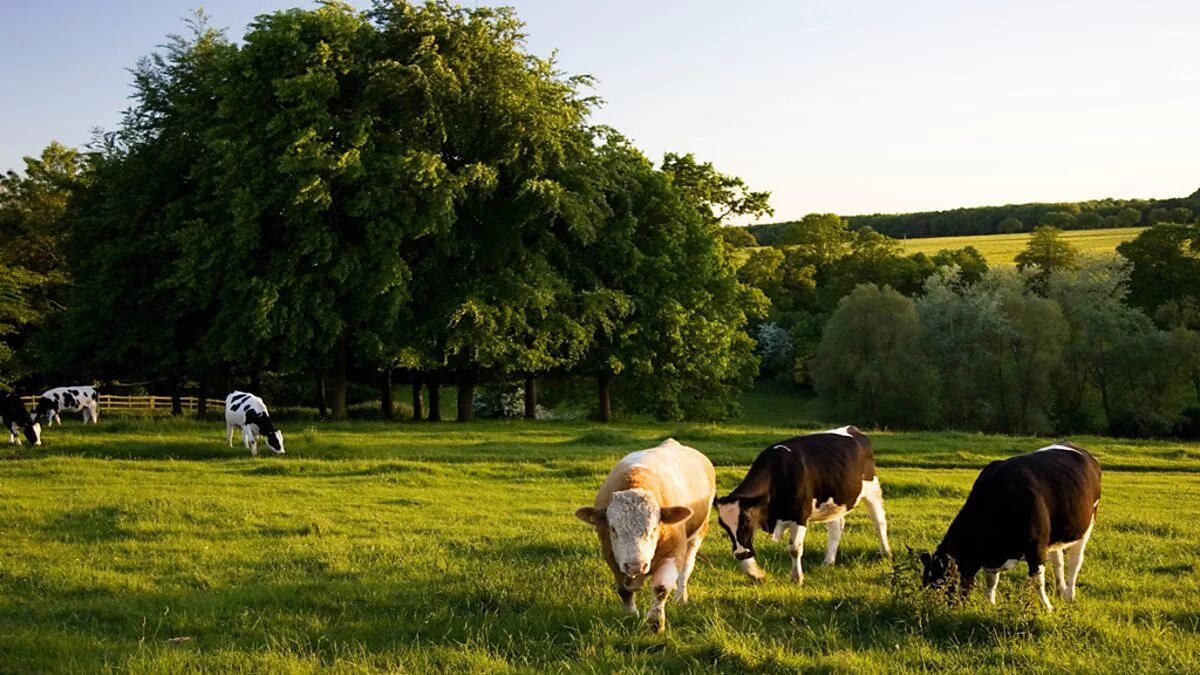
x,y
148,545
1002,249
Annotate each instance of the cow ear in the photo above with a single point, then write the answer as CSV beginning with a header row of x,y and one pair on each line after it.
x,y
674,514
589,515
727,499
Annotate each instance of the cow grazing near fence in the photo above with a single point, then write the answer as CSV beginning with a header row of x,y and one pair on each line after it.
x,y
18,421
68,399
248,413
651,515
816,478
1030,507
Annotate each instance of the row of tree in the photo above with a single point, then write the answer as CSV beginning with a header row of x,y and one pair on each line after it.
x,y
400,193
1060,344
1089,215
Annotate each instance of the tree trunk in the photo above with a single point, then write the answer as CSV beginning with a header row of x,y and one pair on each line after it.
x,y
176,397
201,399
229,388
322,405
530,397
256,382
386,405
340,367
605,397
466,397
418,402
435,400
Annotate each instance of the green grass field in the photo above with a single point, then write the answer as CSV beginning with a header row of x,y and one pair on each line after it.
x,y
149,546
1002,249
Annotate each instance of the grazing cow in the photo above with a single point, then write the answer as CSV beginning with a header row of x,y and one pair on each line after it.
x,y
1028,507
18,421
248,413
816,478
651,515
69,399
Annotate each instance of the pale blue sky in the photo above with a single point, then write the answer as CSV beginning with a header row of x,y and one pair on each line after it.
x,y
852,106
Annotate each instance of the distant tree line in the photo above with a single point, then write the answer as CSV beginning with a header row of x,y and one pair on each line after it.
x,y
404,194
1089,215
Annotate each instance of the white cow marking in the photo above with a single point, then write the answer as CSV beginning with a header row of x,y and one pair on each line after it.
x,y
1058,446
840,431
826,512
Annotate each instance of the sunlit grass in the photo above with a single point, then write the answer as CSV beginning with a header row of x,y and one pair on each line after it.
x,y
149,545
1002,249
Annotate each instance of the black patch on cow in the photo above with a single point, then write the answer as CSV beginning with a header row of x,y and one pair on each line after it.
x,y
786,477
69,401
237,400
45,406
1017,509
13,412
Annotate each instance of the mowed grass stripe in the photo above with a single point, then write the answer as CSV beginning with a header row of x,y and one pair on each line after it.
x,y
377,554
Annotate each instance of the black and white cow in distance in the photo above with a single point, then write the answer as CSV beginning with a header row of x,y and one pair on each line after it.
x,y
248,413
816,478
18,420
1030,507
68,399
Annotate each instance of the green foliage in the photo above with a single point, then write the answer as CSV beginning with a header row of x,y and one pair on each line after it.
x,y
1045,254
970,262
982,220
1166,265
869,365
738,237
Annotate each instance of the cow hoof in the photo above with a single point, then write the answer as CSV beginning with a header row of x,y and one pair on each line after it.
x,y
797,578
656,623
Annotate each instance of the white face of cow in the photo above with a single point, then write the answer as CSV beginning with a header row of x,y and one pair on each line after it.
x,y
37,433
633,517
275,441
632,522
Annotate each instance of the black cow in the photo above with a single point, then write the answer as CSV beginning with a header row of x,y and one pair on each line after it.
x,y
18,420
815,478
1027,508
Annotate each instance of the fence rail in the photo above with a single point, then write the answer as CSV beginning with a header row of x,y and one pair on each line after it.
x,y
140,403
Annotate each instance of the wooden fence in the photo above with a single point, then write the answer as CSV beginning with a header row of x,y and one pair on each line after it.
x,y
141,404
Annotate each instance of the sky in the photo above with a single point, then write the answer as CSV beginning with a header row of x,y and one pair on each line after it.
x,y
846,106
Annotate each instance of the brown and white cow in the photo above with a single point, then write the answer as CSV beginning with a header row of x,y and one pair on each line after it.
x,y
651,515
1030,507
816,478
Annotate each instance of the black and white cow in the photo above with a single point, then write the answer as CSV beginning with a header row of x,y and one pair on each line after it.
x,y
816,478
69,399
18,421
248,413
1030,507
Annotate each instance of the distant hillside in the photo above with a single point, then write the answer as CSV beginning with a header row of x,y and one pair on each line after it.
x,y
1002,249
1012,218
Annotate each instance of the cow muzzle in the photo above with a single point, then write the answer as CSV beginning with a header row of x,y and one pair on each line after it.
x,y
634,570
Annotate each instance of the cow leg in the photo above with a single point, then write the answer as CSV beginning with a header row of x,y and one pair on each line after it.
x,y
873,496
834,529
1056,559
1037,574
993,580
665,578
229,434
87,414
1074,562
796,550
251,441
689,563
13,439
95,413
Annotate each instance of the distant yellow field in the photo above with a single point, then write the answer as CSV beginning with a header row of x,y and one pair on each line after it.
x,y
1001,249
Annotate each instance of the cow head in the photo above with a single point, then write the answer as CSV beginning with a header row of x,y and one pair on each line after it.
x,y
632,523
45,408
740,516
937,569
275,441
33,433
